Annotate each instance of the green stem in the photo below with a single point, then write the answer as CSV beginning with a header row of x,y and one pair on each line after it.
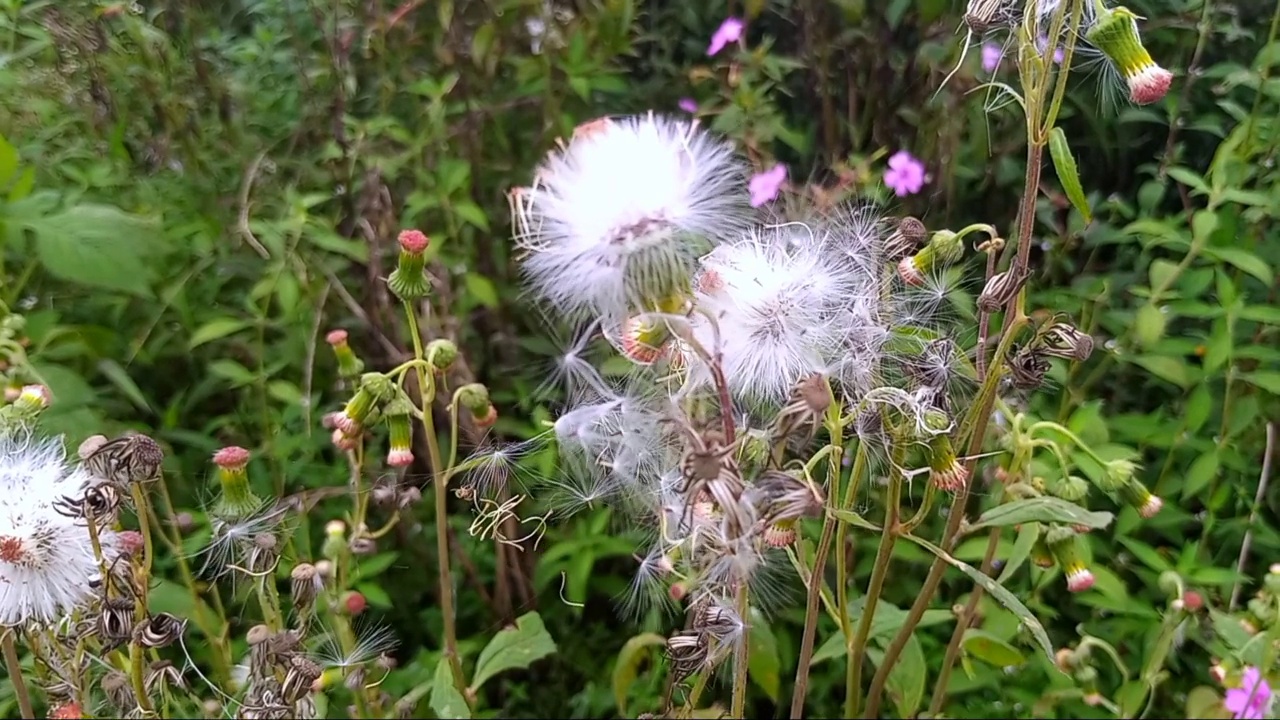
x,y
962,625
14,667
836,430
742,656
426,389
888,537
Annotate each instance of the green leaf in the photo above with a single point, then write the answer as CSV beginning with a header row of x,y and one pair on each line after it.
x,y
997,591
514,647
8,162
97,246
232,371
1244,260
215,329
627,666
906,681
445,698
1068,174
120,378
854,519
763,664
990,649
1042,509
472,215
482,289
1162,274
1149,325
1200,474
1169,369
1189,178
1146,554
374,593
1266,379
1027,537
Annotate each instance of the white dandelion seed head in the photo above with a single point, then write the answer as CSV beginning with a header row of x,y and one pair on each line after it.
x,y
617,218
47,560
779,302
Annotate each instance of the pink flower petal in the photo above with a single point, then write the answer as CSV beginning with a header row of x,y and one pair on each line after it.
x,y
730,31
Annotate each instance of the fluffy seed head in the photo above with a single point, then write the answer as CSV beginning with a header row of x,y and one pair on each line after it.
x,y
618,216
46,558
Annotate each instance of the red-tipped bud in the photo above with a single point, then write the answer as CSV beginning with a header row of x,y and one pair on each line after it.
x,y
414,242
353,603
231,458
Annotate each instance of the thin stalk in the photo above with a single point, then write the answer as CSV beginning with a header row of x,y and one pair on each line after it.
x,y
426,390
858,648
962,625
742,656
836,440
14,667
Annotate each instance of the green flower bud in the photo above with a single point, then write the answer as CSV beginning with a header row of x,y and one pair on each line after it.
x,y
944,248
236,500
1072,489
349,366
1116,474
1136,495
409,280
1116,34
398,414
441,353
1066,553
474,397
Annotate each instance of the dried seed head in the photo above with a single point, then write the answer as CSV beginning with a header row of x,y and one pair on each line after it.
x,y
409,497
363,546
305,584
905,239
1027,368
1000,289
162,673
90,446
297,681
125,460
687,652
115,622
258,634
1064,341
116,687
159,630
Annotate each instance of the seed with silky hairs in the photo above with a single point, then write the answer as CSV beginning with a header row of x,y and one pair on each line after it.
x,y
159,630
303,586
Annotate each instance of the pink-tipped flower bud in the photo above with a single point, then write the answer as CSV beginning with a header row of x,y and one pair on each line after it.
x,y
644,341
1066,552
349,366
779,535
343,441
409,280
236,500
353,603
1136,495
374,390
398,414
1116,34
231,458
487,419
34,398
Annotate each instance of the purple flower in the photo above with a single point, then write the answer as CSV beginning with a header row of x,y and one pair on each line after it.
x,y
991,56
1250,700
764,186
1058,53
905,175
688,105
730,31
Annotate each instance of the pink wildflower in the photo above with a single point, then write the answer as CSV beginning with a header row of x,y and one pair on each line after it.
x,y
688,105
730,31
905,175
765,186
991,56
1251,699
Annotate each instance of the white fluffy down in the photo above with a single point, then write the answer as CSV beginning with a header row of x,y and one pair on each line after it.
x,y
46,559
787,302
621,189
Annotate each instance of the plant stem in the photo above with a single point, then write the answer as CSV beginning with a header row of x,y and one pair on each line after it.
x,y
888,536
14,667
836,430
742,656
962,625
426,390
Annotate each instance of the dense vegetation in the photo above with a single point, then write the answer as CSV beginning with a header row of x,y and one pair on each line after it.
x,y
195,196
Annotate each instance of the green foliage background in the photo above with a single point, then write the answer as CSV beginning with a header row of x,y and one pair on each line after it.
x,y
192,194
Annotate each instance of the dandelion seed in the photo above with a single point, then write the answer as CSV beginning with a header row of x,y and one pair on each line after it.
x,y
47,560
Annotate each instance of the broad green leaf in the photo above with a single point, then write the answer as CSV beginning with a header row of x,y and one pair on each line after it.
x,y
1068,173
1166,368
1203,224
763,664
1201,472
627,666
8,162
1189,178
98,246
1266,379
1149,324
1027,537
1161,273
216,329
482,289
445,698
1245,260
514,647
1145,554
374,593
997,591
1042,509
990,649
232,371
906,681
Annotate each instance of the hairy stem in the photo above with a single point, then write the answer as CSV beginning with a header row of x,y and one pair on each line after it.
x,y
426,389
14,667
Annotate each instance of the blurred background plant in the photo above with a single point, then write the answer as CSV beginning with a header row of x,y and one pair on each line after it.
x,y
192,195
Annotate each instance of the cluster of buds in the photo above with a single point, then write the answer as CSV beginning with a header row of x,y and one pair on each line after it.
x,y
944,248
1120,477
